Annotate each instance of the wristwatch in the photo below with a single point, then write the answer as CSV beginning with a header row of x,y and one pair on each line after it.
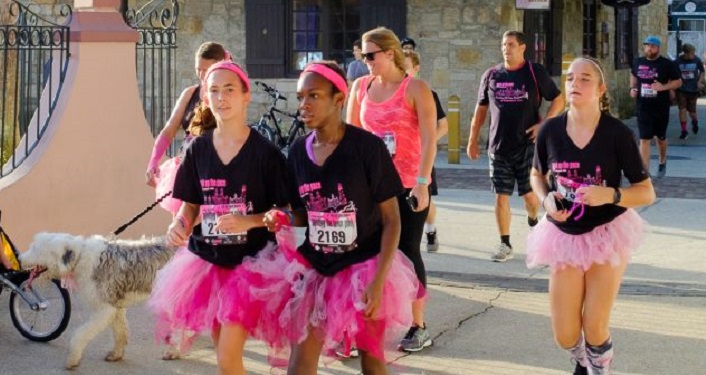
x,y
617,196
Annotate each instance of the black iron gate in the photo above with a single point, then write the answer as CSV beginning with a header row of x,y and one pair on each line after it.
x,y
156,22
34,56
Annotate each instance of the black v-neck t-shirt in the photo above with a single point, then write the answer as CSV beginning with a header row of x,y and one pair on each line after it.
x,y
254,179
352,182
611,153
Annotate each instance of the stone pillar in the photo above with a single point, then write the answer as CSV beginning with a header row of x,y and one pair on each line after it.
x,y
86,174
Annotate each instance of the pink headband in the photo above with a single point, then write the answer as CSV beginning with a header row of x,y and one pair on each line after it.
x,y
233,67
330,75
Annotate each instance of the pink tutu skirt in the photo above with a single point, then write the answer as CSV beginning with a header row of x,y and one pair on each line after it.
x,y
165,184
609,243
190,295
288,296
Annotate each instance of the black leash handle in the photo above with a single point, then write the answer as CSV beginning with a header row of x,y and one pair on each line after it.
x,y
141,214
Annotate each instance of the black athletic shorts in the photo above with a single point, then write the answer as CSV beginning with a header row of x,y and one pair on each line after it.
x,y
506,170
652,122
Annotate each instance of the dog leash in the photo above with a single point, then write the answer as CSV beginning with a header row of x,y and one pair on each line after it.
x,y
141,214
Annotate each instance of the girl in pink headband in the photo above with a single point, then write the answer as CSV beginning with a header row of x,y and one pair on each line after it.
x,y
229,178
347,285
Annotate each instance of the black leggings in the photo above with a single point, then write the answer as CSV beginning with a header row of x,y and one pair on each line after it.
x,y
411,236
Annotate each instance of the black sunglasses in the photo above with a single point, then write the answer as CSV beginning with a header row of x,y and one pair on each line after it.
x,y
370,56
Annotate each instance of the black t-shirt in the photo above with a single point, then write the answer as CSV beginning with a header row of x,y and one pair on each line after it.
x,y
190,110
252,182
514,97
611,153
341,198
690,71
439,109
648,72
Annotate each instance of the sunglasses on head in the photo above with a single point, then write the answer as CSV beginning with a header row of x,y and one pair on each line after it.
x,y
370,56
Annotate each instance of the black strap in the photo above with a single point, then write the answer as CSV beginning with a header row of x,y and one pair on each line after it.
x,y
141,214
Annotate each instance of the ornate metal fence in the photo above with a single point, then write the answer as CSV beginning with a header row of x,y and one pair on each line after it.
x,y
34,56
156,57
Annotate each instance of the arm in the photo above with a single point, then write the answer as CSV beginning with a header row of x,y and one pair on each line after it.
x,y
391,229
353,108
636,195
442,128
426,113
540,187
671,85
633,86
481,112
554,109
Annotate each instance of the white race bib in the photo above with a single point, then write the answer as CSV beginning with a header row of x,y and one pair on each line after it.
x,y
687,75
390,141
332,228
209,219
647,91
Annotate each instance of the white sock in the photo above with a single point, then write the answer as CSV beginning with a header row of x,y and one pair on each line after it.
x,y
429,228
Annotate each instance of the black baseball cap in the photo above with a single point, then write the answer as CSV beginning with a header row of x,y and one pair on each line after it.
x,y
408,40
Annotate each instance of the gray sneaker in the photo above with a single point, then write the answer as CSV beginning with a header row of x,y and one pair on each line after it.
x,y
416,339
502,253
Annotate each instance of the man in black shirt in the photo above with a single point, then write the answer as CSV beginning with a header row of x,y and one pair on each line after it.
x,y
513,91
651,79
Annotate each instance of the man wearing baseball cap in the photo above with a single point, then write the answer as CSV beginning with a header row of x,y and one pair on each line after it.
x,y
653,76
408,44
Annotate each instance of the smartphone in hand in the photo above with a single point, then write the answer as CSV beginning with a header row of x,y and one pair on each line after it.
x,y
412,202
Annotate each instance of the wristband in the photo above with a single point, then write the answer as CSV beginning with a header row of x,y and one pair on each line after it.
x,y
281,219
161,144
422,180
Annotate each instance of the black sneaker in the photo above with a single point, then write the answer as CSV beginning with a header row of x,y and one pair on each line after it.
x,y
432,242
662,170
684,134
532,221
695,128
580,370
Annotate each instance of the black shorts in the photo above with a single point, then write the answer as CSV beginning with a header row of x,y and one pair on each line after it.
x,y
506,170
652,122
433,188
411,235
687,100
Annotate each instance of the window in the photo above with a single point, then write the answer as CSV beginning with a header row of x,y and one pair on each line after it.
x,y
626,38
589,28
282,36
543,34
692,25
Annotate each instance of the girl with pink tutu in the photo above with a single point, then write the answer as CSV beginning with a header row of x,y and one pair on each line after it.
x,y
348,283
590,228
229,178
161,177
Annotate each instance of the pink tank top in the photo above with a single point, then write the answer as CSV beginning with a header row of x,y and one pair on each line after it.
x,y
396,122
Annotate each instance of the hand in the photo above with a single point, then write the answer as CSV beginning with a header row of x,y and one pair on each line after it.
x,y
595,195
532,132
421,192
176,233
151,176
633,93
232,223
550,207
658,86
372,298
472,151
274,220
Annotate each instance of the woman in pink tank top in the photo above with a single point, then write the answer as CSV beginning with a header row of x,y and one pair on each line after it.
x,y
401,110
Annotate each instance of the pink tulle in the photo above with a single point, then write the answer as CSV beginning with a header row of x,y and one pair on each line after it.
x,y
190,295
287,296
610,243
165,184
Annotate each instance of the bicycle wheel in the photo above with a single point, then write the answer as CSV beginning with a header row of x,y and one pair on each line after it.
x,y
51,314
265,131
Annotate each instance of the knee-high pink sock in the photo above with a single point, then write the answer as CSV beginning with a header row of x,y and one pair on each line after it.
x,y
683,125
578,352
600,358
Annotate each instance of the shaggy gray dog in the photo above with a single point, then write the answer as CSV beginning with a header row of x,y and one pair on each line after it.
x,y
111,275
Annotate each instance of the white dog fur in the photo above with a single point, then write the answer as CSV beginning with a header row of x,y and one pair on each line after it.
x,y
111,275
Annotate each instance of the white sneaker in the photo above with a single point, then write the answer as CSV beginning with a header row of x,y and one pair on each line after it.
x,y
502,253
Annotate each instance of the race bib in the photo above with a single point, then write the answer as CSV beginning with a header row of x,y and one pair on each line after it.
x,y
647,91
209,219
569,194
390,141
687,75
332,228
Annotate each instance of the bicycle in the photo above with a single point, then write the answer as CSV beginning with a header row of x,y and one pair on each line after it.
x,y
270,126
40,308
